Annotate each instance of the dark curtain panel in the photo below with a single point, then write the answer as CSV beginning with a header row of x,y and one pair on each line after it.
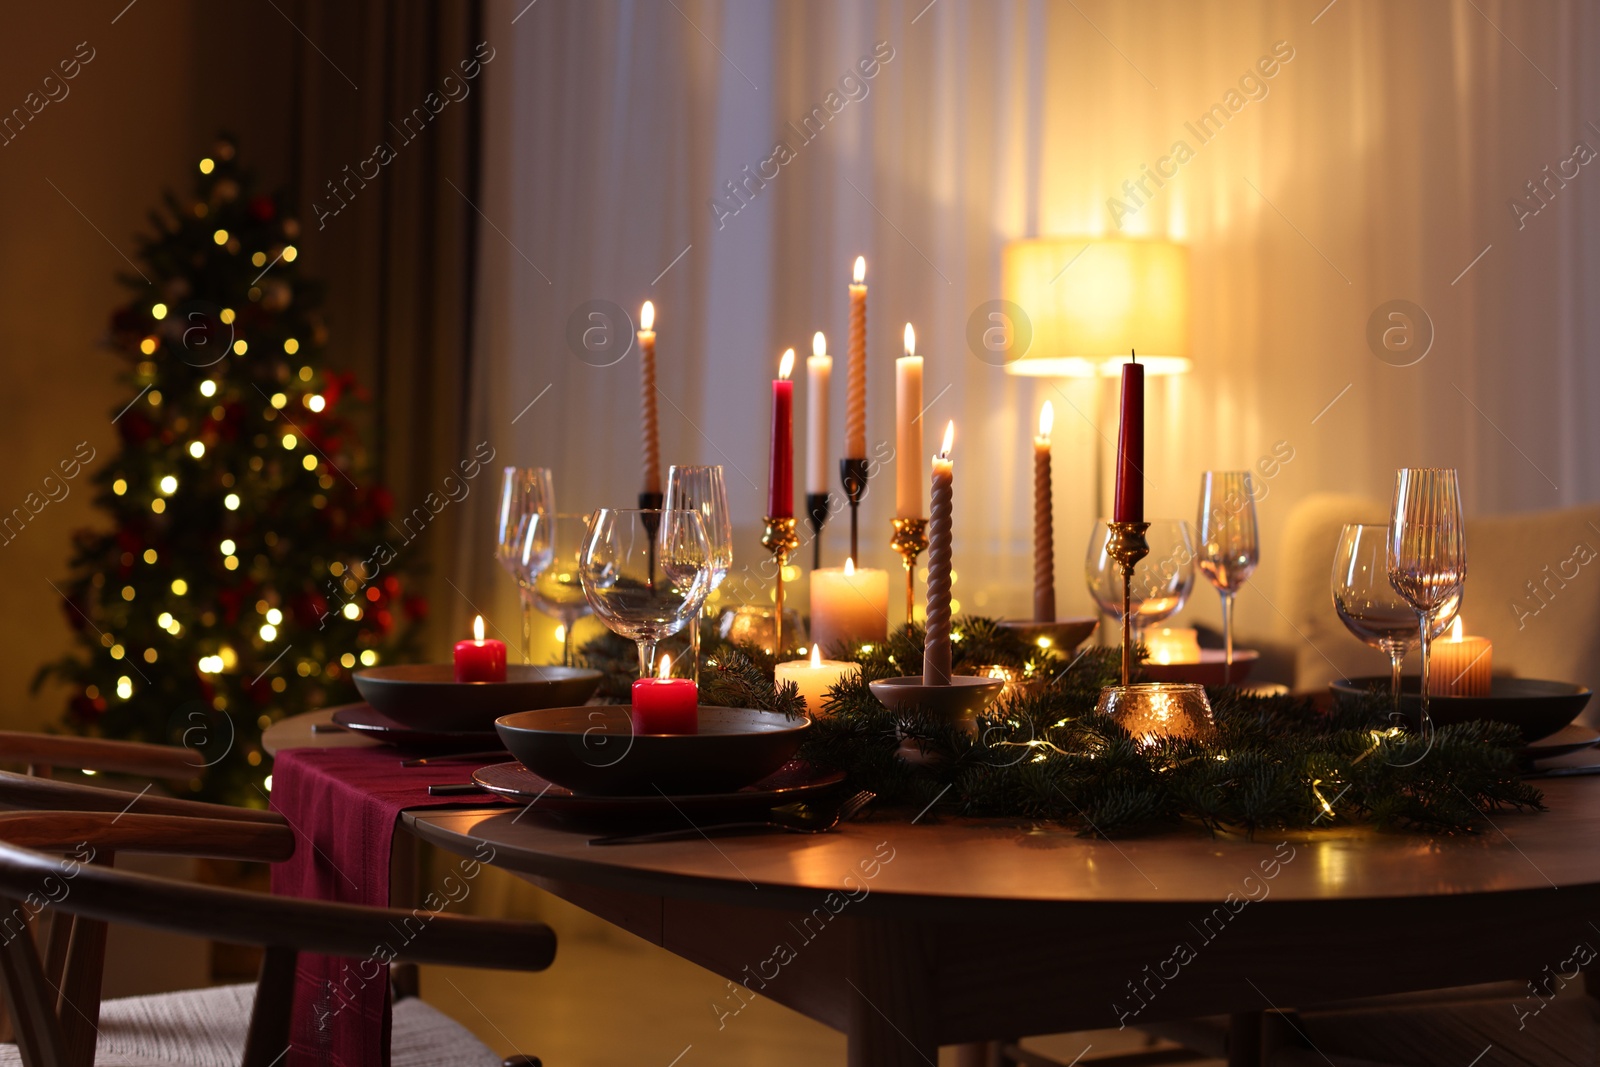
x,y
383,157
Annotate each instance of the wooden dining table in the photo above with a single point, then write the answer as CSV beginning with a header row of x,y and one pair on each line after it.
x,y
908,931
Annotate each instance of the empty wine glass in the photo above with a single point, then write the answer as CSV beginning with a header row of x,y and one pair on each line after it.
x,y
558,592
1368,605
1162,581
645,573
523,543
1230,546
1427,549
701,489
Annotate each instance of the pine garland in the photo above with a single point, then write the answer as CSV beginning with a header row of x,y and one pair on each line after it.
x,y
1044,753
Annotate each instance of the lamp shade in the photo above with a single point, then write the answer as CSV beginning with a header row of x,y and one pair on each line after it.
x,y
1092,299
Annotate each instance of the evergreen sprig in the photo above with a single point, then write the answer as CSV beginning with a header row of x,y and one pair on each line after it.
x,y
1043,752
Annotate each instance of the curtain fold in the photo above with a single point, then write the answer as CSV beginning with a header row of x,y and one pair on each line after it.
x,y
1382,160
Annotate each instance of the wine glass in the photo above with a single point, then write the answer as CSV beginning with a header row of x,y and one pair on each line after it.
x,y
524,545
1368,605
701,489
1230,546
1162,581
645,573
1427,560
558,592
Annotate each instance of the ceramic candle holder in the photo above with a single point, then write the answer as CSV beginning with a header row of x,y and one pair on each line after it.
x,y
961,701
1063,635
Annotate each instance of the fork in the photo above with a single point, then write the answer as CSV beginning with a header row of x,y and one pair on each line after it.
x,y
852,807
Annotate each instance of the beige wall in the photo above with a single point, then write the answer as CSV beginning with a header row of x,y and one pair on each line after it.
x,y
166,75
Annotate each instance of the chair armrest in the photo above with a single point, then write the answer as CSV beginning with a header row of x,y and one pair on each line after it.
x,y
378,935
100,754
65,831
21,791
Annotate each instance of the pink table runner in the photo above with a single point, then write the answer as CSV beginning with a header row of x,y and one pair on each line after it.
x,y
342,804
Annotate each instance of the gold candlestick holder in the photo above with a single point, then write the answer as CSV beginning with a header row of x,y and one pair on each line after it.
x,y
779,538
910,539
1128,545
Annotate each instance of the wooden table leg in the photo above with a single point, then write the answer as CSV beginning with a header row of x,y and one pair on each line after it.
x,y
892,1009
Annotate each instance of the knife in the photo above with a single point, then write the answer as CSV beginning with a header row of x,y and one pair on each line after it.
x,y
1565,772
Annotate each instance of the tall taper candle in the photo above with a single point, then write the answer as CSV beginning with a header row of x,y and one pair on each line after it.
x,y
936,647
648,427
819,374
855,397
1044,541
780,476
908,431
1130,446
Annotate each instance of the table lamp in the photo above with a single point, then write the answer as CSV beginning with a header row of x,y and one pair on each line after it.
x,y
1090,301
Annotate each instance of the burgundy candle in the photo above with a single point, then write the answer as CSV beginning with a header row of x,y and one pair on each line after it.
x,y
780,478
1130,446
664,704
479,660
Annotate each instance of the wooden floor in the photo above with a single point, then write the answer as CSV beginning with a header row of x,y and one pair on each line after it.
x,y
613,998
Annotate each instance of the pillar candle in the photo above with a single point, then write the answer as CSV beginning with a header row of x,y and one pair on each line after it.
x,y
664,704
855,397
936,647
814,677
1459,666
1173,644
819,374
648,429
1044,539
849,604
479,660
908,431
1130,446
780,477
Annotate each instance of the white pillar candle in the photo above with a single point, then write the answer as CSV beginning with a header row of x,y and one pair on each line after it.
x,y
814,677
849,604
819,373
908,431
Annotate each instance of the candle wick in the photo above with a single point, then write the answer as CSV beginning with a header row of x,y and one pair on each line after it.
x,y
1134,354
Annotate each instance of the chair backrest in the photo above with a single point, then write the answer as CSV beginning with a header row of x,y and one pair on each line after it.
x,y
1533,588
34,875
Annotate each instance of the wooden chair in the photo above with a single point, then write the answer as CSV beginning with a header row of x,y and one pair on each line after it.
x,y
57,1024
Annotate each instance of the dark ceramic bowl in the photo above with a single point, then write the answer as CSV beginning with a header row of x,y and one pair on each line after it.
x,y
426,696
594,750
1209,671
1064,635
1537,707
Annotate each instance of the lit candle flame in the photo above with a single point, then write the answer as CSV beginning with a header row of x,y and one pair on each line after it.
x,y
1455,629
665,670
816,655
949,438
911,340
786,364
819,344
647,316
861,270
850,565
477,628
1047,419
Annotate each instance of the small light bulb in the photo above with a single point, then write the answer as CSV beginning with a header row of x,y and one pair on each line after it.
x,y
315,402
239,347
124,687
158,311
207,166
227,546
274,616
221,237
226,316
289,253
352,611
369,657
208,388
180,586
279,400
197,449
120,486
268,632
291,346
309,462
231,501
289,441
259,259
148,345
169,484
149,555
347,660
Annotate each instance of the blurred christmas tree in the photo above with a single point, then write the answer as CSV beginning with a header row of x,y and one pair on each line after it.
x,y
248,571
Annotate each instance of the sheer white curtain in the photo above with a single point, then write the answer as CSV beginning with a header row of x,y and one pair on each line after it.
x,y
1379,161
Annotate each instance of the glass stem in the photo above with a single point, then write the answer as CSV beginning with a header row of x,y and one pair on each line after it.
x,y
647,657
694,648
1397,659
526,595
1227,638
1426,620
566,641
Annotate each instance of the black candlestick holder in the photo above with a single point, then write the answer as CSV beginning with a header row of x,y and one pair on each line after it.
x,y
853,472
817,513
649,502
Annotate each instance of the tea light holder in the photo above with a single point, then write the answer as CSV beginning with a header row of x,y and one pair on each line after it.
x,y
910,539
854,473
1152,711
779,538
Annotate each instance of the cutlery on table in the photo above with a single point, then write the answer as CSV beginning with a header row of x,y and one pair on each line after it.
x,y
794,819
456,789
456,757
1564,772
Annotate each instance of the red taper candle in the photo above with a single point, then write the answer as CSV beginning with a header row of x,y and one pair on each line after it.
x,y
1130,446
780,478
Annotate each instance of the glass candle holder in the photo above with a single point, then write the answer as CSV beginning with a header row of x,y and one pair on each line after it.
x,y
1151,711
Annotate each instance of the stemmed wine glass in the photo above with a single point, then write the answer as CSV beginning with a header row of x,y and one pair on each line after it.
x,y
700,489
558,592
524,545
1162,581
1368,605
1427,560
1230,546
645,573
